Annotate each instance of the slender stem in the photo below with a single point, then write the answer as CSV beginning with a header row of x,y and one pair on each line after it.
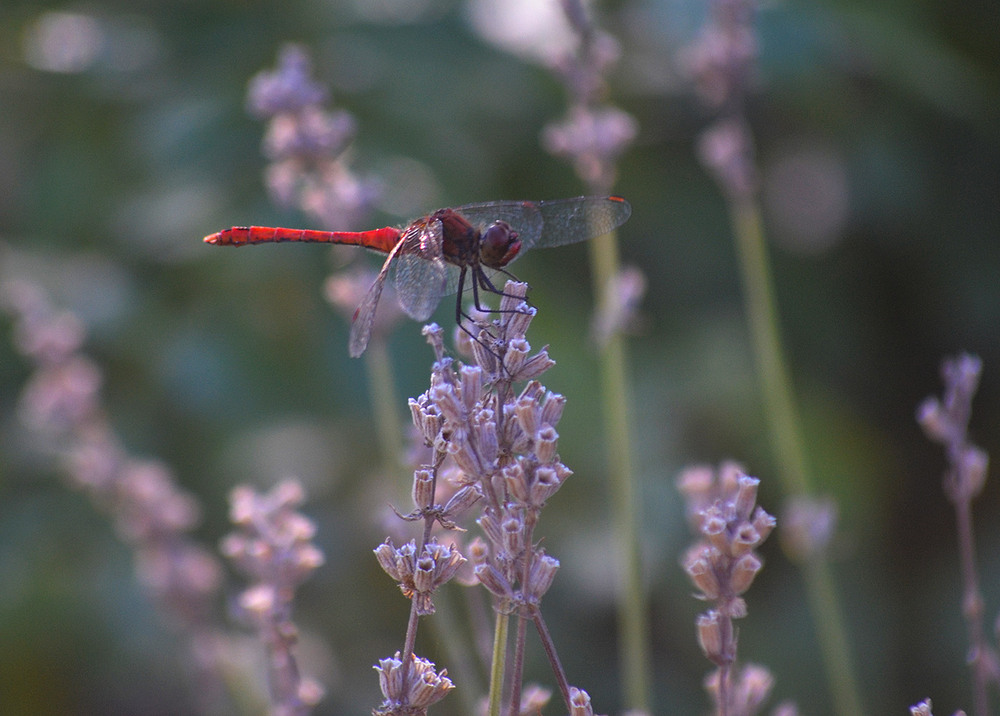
x,y
550,651
725,672
633,626
972,606
788,444
829,622
382,388
767,345
517,671
517,668
411,640
499,660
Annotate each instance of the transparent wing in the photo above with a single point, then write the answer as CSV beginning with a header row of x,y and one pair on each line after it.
x,y
420,274
555,222
364,317
582,218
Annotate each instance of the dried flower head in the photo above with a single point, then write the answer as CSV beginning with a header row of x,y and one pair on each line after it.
x,y
409,689
419,575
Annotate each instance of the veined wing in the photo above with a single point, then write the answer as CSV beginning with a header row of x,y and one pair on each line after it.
x,y
553,222
420,274
364,316
584,217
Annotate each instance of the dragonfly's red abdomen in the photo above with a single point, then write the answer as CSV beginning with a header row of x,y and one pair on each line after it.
x,y
377,239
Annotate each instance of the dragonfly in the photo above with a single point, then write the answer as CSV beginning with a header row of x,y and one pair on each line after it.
x,y
451,250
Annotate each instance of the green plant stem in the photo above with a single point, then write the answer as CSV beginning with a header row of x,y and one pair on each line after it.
x,y
787,443
385,404
499,660
633,626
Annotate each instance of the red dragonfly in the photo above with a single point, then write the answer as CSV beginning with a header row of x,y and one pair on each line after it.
x,y
435,255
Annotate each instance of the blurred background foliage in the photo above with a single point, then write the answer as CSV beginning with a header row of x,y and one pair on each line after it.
x,y
124,139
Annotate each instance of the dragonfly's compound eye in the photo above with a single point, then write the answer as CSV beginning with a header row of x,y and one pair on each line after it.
x,y
499,245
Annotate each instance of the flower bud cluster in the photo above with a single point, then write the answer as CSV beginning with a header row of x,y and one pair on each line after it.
x,y
306,144
594,134
946,421
721,62
500,449
501,347
924,709
273,546
807,526
746,691
62,405
722,564
274,543
505,447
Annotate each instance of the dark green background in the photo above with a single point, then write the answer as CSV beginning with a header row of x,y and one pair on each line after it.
x,y
231,368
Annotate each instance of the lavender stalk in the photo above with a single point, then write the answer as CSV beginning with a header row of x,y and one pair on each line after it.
x,y
946,421
62,404
722,565
503,449
593,136
722,63
273,547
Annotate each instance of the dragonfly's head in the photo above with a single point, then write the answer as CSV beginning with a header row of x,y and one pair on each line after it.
x,y
499,245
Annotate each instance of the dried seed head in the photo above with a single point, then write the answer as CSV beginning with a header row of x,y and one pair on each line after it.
x,y
546,441
418,687
423,489
513,535
547,481
516,482
461,501
491,578
552,409
540,577
699,567
746,496
579,702
744,571
515,355
710,637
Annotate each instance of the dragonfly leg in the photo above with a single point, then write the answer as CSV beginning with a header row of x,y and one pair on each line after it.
x,y
489,287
